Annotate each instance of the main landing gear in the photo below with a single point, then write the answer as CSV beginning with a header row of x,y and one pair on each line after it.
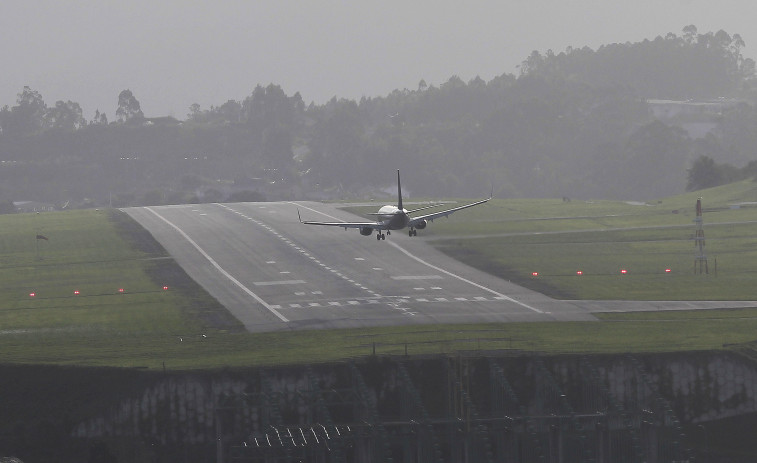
x,y
412,232
381,236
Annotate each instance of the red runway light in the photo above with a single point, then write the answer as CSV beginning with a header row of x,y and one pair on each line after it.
x,y
667,270
624,271
120,290
32,294
76,292
535,274
165,288
579,272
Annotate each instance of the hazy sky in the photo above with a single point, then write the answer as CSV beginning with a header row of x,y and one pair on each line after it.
x,y
172,53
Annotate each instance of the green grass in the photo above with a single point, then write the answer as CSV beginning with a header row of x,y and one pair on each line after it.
x,y
99,252
515,238
85,253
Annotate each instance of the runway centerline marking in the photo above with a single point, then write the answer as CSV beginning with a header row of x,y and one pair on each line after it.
x,y
301,250
219,268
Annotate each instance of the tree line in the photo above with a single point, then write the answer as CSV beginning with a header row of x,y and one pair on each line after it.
x,y
576,123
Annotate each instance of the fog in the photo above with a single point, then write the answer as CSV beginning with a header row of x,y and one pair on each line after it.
x,y
174,53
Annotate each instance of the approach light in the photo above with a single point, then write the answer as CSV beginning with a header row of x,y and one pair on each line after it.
x,y
165,288
667,270
623,271
579,273
76,292
535,274
32,294
120,290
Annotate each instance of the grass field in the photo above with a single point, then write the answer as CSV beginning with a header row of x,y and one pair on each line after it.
x,y
622,250
98,253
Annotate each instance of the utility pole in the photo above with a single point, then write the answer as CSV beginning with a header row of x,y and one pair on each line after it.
x,y
700,260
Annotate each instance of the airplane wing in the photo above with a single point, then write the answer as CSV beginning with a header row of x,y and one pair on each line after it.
x,y
445,213
346,225
424,207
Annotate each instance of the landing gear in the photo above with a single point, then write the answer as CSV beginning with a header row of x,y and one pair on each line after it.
x,y
380,236
412,232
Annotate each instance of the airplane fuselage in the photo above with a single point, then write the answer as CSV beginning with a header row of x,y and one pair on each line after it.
x,y
394,217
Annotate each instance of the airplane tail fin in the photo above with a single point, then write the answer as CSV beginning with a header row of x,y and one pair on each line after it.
x,y
399,191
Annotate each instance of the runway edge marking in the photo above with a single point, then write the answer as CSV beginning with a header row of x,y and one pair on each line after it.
x,y
439,269
220,269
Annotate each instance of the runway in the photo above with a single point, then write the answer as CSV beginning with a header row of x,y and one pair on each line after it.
x,y
274,273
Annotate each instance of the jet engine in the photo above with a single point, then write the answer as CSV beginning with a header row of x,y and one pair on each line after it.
x,y
366,231
420,225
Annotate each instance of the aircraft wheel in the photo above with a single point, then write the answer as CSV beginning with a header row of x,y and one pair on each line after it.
x,y
378,236
410,232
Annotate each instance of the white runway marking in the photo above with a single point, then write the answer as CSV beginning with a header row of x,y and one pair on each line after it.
x,y
463,279
218,267
417,277
280,282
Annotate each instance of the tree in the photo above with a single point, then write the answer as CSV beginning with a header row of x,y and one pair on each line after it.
x,y
231,111
267,107
704,173
277,150
27,117
99,119
65,116
128,107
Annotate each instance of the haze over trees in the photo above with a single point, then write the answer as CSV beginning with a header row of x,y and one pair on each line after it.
x,y
580,123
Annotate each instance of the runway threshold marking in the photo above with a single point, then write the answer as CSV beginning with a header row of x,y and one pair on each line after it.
x,y
219,268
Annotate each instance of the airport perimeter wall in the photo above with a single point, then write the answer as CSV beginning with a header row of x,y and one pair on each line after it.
x,y
506,406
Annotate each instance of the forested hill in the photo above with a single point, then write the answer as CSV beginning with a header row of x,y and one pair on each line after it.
x,y
626,121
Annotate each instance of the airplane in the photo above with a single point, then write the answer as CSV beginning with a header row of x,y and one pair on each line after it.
x,y
396,217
